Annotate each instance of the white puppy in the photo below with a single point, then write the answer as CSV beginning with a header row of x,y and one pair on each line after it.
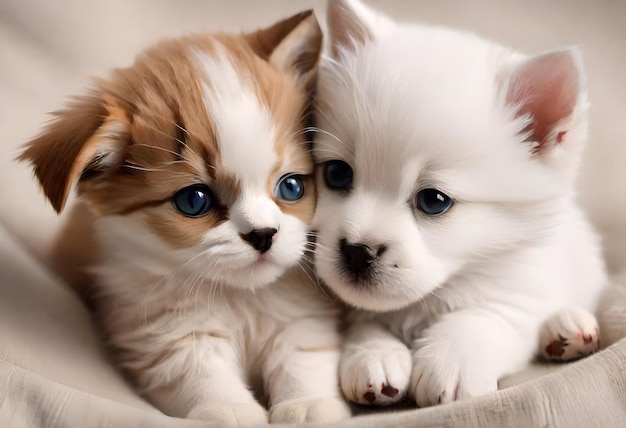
x,y
446,212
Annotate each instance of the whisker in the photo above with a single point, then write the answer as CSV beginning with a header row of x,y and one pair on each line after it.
x,y
159,148
313,278
323,131
183,130
129,165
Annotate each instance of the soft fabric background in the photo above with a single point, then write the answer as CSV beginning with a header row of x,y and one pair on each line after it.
x,y
52,370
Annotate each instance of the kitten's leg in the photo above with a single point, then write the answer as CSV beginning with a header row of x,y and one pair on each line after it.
x,y
375,366
300,374
206,382
569,334
466,352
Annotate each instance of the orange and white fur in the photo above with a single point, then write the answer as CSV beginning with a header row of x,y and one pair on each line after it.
x,y
194,166
446,212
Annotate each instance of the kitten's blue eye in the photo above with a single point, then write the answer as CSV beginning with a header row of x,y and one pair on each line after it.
x,y
432,202
194,201
290,188
337,175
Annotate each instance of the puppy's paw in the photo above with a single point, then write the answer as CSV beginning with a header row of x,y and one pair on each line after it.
x,y
323,410
376,377
440,377
229,414
568,335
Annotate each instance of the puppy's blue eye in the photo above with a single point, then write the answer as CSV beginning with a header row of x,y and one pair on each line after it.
x,y
290,188
432,202
337,175
194,201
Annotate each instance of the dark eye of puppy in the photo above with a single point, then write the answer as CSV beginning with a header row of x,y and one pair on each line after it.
x,y
338,175
432,202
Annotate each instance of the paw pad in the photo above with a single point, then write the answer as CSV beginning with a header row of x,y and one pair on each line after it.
x,y
376,377
568,335
370,396
389,390
556,348
386,389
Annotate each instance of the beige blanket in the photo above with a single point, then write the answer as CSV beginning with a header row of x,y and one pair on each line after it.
x,y
53,371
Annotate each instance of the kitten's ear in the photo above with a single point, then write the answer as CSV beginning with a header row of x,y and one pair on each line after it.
x,y
549,91
350,22
292,45
82,140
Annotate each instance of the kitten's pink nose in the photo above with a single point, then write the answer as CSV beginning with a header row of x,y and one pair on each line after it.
x,y
260,239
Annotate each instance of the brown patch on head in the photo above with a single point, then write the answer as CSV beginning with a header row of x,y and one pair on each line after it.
x,y
144,134
135,141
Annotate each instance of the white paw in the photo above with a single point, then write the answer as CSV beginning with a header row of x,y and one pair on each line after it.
x,y
323,410
376,377
440,377
568,335
229,414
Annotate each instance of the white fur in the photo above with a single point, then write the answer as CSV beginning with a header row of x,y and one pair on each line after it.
x,y
424,107
200,326
575,330
242,123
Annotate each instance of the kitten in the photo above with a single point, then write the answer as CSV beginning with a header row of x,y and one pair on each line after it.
x,y
446,211
194,164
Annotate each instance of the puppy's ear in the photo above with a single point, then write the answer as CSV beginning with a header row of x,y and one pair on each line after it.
x,y
350,22
292,45
81,141
548,92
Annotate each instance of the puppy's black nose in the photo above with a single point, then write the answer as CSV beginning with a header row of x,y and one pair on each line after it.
x,y
260,239
357,257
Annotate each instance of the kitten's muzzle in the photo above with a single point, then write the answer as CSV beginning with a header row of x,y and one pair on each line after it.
x,y
260,239
358,258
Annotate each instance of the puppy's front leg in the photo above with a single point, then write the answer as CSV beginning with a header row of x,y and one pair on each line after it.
x,y
205,380
301,374
465,353
375,366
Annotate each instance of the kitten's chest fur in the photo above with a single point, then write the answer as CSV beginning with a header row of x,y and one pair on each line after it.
x,y
143,320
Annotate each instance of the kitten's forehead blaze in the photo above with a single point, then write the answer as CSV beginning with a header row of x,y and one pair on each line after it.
x,y
200,110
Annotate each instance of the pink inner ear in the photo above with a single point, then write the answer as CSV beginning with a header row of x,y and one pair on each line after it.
x,y
345,26
547,87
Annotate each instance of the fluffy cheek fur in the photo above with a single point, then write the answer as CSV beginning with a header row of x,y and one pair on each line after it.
x,y
229,259
214,256
421,253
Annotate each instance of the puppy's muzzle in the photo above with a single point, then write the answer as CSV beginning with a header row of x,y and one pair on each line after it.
x,y
260,239
358,258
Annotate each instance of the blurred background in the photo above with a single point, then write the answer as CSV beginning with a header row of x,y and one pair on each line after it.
x,y
48,50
